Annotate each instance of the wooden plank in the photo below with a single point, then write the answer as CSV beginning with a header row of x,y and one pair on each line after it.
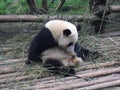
x,y
37,18
21,66
100,72
102,85
12,68
98,65
75,85
111,34
89,76
115,8
10,61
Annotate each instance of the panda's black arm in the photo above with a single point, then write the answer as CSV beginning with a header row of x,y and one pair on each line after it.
x,y
42,41
84,53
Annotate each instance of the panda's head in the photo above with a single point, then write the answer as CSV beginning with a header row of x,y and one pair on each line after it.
x,y
65,33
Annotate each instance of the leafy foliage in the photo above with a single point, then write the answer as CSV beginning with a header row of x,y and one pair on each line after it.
x,y
21,7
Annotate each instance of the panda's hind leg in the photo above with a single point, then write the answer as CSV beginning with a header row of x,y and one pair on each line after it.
x,y
57,67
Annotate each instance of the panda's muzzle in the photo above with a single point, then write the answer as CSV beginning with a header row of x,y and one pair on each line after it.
x,y
70,50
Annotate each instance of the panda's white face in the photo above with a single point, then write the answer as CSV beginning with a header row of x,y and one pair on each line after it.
x,y
68,40
65,33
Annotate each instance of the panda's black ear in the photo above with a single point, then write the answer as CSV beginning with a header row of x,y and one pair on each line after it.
x,y
66,32
78,27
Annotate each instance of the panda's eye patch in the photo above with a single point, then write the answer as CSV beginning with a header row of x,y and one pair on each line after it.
x,y
69,44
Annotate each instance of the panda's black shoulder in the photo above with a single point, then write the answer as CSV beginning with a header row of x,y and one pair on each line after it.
x,y
43,34
41,42
45,38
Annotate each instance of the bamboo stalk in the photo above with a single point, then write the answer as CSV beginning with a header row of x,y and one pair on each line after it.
x,y
81,75
32,81
98,65
16,79
14,67
11,68
100,72
37,18
8,75
110,46
92,74
112,34
115,8
12,61
82,84
102,85
25,76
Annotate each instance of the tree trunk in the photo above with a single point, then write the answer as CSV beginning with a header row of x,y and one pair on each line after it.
x,y
32,5
44,4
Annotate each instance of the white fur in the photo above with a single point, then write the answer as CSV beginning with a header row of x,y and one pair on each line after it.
x,y
57,27
59,54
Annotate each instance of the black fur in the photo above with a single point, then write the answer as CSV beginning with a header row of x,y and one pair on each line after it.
x,y
78,27
42,41
84,53
53,63
56,67
66,32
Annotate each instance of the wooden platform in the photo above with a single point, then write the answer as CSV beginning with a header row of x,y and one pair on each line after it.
x,y
103,74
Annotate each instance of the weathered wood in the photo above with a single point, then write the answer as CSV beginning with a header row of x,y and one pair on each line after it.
x,y
16,69
38,18
115,8
15,75
100,72
80,84
10,75
11,68
109,47
102,85
16,79
10,61
112,34
93,74
98,65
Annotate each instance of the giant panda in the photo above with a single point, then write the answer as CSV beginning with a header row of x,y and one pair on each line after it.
x,y
57,44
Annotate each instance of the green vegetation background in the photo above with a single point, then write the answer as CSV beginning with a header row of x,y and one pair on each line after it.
x,y
21,7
